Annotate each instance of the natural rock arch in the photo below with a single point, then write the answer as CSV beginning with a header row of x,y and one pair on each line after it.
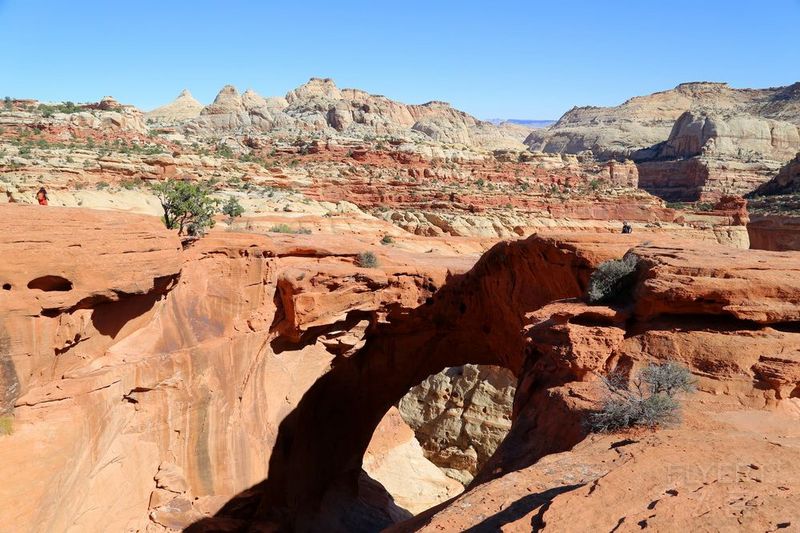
x,y
475,318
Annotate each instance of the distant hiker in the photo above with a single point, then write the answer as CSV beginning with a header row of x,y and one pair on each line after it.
x,y
626,228
41,196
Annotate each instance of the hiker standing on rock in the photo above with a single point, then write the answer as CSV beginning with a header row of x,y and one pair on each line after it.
x,y
627,228
41,196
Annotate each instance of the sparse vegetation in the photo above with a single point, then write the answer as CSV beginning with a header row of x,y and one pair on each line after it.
x,y
649,400
285,228
65,107
367,260
188,206
223,150
612,281
233,209
6,425
130,184
387,239
7,103
101,185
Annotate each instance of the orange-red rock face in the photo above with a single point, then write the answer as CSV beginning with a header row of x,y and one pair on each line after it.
x,y
774,232
150,389
727,465
145,384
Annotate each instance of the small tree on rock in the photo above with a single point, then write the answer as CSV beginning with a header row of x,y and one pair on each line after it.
x,y
188,206
233,209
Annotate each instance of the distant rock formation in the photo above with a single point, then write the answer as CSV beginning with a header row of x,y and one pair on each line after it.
x,y
184,107
319,106
697,141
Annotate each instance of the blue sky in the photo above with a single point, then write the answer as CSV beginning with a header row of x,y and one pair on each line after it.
x,y
512,59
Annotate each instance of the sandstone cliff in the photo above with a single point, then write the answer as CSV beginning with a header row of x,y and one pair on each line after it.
x,y
698,140
143,385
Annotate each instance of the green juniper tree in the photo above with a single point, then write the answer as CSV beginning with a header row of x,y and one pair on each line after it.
x,y
233,209
188,206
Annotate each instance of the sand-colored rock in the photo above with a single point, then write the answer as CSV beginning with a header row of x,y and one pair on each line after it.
x,y
395,459
460,416
184,107
644,121
318,106
696,141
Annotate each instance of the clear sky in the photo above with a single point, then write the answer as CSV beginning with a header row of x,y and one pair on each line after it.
x,y
511,59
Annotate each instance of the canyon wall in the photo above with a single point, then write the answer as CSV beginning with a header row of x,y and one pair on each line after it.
x,y
143,385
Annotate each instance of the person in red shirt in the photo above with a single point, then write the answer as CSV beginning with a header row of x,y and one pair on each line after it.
x,y
41,196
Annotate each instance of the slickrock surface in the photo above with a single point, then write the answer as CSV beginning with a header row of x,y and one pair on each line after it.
x,y
240,381
144,385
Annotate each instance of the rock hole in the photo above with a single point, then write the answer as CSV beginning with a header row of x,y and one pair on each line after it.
x,y
783,525
6,286
672,492
50,283
450,448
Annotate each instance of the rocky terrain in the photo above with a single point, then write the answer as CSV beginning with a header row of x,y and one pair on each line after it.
x,y
263,378
320,108
694,142
162,383
104,156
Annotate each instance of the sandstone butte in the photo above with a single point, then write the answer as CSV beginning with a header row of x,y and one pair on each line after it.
x,y
246,382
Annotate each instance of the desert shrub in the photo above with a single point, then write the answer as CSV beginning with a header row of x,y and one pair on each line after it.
x,y
131,184
669,378
387,239
281,228
65,107
223,150
100,185
6,425
7,103
233,209
188,206
285,228
649,400
612,281
367,260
